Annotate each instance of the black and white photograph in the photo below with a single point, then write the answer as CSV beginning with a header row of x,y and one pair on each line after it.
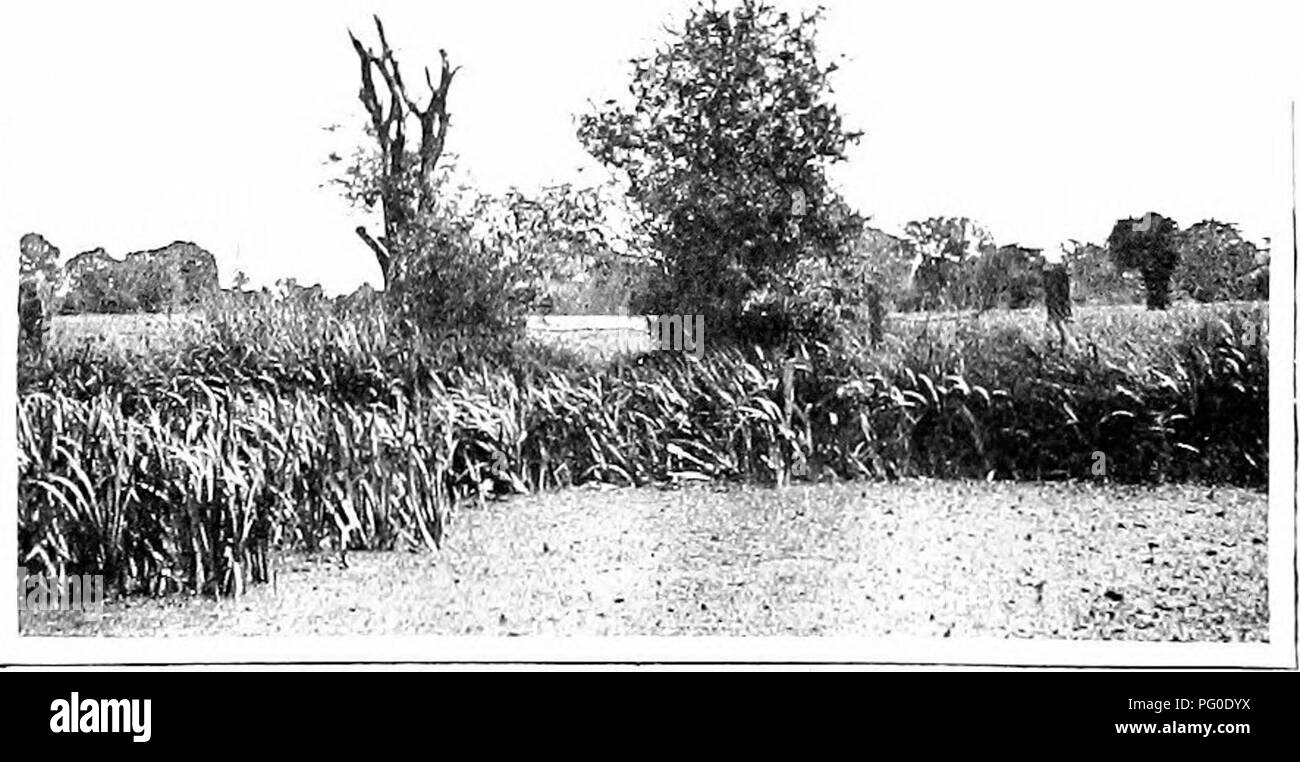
x,y
579,331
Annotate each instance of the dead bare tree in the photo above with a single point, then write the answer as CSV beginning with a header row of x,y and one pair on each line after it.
x,y
406,182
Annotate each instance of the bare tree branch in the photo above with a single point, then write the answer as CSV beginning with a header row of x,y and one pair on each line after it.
x,y
403,196
381,254
434,121
367,94
392,71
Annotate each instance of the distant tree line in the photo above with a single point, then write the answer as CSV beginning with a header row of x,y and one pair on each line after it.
x,y
953,263
176,276
1208,262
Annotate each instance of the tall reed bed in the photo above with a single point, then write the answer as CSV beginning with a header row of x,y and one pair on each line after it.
x,y
322,429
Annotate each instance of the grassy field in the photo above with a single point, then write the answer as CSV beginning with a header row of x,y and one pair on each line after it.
x,y
923,558
607,336
141,333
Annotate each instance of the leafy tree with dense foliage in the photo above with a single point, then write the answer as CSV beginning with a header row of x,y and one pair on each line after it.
x,y
877,260
37,255
886,260
581,241
1096,279
175,276
1149,245
38,272
945,246
724,146
94,284
1010,277
1215,263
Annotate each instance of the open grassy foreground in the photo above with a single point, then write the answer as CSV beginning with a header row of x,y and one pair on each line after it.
x,y
924,558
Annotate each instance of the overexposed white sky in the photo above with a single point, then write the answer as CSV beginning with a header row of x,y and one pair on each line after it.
x,y
131,124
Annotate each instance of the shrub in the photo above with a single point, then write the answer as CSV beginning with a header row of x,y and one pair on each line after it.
x,y
1150,246
1215,263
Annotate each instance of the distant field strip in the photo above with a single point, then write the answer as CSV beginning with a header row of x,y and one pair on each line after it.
x,y
603,335
133,333
631,332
